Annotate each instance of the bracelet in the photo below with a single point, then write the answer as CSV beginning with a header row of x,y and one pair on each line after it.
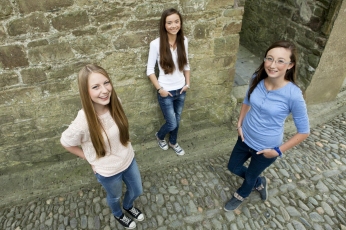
x,y
158,90
187,86
239,127
278,150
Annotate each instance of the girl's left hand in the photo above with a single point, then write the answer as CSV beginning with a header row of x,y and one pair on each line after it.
x,y
268,153
184,89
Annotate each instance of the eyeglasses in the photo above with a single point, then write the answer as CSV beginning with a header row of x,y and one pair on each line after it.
x,y
278,62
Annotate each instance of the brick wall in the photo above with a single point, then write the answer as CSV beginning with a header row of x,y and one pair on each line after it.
x,y
43,45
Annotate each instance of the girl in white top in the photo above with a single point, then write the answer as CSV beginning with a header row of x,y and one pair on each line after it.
x,y
170,51
101,129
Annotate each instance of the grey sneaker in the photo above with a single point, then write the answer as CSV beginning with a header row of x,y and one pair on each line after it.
x,y
177,149
125,221
263,189
233,203
162,143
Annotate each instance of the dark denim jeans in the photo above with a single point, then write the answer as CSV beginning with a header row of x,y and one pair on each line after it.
x,y
114,187
240,154
171,108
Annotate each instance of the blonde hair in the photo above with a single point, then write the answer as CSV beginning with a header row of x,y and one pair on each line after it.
x,y
115,109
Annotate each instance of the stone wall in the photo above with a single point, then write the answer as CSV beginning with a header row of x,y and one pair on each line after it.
x,y
308,23
43,44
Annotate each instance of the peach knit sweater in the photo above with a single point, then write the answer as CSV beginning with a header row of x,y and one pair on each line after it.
x,y
117,158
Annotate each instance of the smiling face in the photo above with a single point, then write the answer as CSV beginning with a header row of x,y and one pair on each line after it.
x,y
99,88
280,62
172,24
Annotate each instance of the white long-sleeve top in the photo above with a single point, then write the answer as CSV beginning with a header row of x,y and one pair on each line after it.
x,y
173,81
118,157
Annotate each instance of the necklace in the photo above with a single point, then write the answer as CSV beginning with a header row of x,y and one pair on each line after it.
x,y
172,45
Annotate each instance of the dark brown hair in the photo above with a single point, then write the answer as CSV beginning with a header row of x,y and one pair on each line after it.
x,y
166,60
115,109
290,74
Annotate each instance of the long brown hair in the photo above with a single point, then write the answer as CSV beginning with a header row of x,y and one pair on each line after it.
x,y
95,127
166,60
290,74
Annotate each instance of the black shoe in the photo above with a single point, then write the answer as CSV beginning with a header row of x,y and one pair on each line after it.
x,y
233,204
263,189
125,221
135,213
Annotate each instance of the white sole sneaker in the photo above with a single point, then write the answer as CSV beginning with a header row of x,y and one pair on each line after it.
x,y
161,143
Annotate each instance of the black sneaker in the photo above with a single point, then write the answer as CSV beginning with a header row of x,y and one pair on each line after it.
x,y
263,189
125,221
233,203
135,213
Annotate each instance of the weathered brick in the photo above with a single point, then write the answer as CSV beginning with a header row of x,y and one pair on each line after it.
x,y
32,76
201,31
8,118
71,20
234,12
24,111
8,79
140,25
134,40
217,4
115,27
34,23
2,34
85,31
5,8
193,6
121,58
52,52
90,45
315,23
13,56
28,6
111,15
56,87
41,42
65,71
144,11
232,28
17,96
313,60
223,46
19,131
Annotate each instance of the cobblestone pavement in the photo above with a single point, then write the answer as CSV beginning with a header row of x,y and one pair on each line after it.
x,y
307,190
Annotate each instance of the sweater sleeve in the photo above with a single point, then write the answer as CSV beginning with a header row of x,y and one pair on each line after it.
x,y
152,58
74,135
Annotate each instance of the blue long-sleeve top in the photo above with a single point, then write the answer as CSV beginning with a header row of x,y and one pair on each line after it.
x,y
263,125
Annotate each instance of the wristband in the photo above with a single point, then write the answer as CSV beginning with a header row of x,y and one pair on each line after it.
x,y
187,86
278,150
158,90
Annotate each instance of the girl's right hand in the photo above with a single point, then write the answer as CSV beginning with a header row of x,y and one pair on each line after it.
x,y
164,93
240,133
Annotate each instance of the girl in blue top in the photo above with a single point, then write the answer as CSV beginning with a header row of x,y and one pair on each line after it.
x,y
271,97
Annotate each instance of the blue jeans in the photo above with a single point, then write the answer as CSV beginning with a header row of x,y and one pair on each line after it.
x,y
114,187
171,108
240,154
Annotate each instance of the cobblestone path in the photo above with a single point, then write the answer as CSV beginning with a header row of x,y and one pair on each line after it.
x,y
307,190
